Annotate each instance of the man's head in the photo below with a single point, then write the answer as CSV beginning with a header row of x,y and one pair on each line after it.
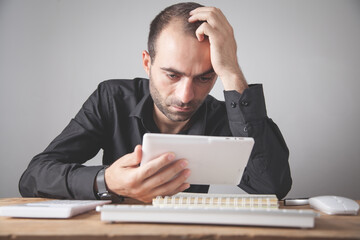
x,y
178,65
180,12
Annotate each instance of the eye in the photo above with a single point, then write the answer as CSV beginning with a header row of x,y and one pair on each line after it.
x,y
173,76
205,79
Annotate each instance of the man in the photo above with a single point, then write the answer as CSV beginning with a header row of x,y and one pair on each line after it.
x,y
189,46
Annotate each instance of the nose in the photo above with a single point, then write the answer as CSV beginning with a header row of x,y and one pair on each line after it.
x,y
185,90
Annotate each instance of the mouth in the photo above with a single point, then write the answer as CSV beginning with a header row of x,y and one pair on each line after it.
x,y
182,109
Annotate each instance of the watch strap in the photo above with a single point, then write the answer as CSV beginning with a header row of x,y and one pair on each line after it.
x,y
102,191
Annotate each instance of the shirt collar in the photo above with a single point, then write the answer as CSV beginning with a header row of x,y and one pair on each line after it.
x,y
144,109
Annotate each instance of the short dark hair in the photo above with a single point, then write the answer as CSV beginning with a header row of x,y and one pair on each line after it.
x,y
179,11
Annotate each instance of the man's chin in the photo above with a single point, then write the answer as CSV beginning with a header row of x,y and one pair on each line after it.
x,y
179,117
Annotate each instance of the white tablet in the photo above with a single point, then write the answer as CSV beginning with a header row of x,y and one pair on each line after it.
x,y
212,160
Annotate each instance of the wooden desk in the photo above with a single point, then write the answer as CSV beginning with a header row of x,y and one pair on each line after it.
x,y
88,226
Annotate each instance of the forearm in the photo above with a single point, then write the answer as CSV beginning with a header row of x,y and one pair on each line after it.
x,y
58,171
53,179
234,81
268,169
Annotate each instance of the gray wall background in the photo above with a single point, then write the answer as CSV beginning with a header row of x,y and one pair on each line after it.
x,y
53,54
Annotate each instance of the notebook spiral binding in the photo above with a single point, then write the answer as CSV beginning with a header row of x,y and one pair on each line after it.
x,y
217,201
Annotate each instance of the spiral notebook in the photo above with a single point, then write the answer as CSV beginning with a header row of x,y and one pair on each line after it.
x,y
203,200
215,209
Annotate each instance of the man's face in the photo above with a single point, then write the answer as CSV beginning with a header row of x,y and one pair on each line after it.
x,y
181,75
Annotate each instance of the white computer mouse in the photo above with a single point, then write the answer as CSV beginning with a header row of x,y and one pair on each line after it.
x,y
334,205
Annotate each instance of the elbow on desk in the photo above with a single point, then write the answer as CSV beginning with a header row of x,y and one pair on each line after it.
x,y
265,183
26,186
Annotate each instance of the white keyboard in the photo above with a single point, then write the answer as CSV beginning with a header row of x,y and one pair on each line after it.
x,y
51,208
200,215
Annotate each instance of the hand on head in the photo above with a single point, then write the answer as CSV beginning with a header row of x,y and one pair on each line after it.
x,y
223,49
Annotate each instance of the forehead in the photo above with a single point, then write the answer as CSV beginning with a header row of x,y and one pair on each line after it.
x,y
180,50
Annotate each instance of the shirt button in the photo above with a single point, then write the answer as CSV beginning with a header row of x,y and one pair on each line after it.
x,y
245,129
233,104
244,103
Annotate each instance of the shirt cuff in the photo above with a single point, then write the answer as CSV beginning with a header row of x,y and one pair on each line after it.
x,y
246,107
82,182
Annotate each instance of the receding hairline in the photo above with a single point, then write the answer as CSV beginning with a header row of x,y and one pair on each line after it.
x,y
177,12
183,28
182,24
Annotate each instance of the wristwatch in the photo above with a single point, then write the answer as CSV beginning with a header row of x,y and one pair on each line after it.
x,y
103,192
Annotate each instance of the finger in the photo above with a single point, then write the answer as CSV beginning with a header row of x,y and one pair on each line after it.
x,y
204,16
153,166
174,186
181,188
138,154
166,174
132,159
203,9
204,29
212,16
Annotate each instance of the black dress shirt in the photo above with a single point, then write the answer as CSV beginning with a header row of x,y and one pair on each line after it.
x,y
119,113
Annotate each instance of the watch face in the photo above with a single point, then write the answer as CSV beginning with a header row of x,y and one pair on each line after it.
x,y
105,196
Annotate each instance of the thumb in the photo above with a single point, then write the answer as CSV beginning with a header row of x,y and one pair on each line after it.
x,y
131,159
137,154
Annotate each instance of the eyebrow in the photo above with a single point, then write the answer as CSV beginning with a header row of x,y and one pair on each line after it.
x,y
211,70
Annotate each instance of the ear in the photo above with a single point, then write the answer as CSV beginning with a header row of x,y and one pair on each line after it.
x,y
146,62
